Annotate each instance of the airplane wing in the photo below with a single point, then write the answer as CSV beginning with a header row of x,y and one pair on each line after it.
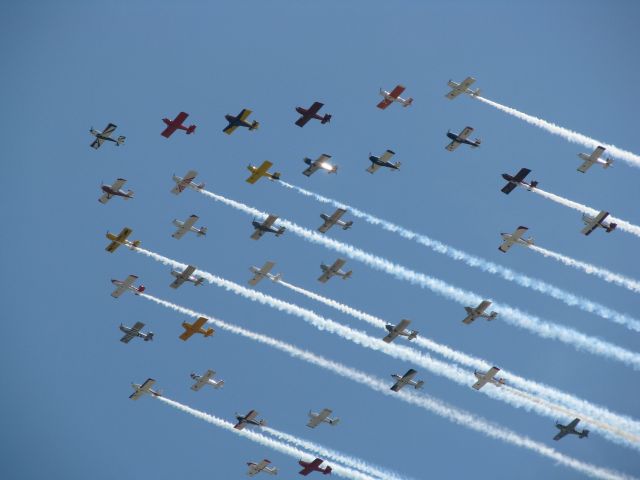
x,y
229,129
259,172
197,325
133,333
337,265
124,286
508,188
390,336
484,379
573,424
169,130
178,281
188,331
144,388
183,277
483,306
180,232
331,221
269,221
513,239
244,114
373,168
384,104
104,198
402,325
462,88
188,223
326,275
255,468
593,225
471,316
314,108
203,380
386,156
396,92
467,82
117,185
560,434
404,380
587,164
318,419
465,133
312,168
180,118
453,145
257,233
303,120
593,158
520,176
109,129
97,143
260,274
186,180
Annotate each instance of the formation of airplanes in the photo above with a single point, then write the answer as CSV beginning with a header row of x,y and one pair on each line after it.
x,y
401,329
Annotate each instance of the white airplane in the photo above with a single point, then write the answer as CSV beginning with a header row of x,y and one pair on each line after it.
x,y
478,312
263,272
105,135
383,161
400,329
330,271
140,390
334,219
593,223
255,468
322,417
113,190
570,429
186,276
187,226
394,96
488,377
462,87
187,181
318,163
126,284
511,239
135,331
590,160
406,379
205,379
266,226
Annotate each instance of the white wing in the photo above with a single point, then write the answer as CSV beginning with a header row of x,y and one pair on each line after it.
x,y
373,168
118,184
465,133
386,156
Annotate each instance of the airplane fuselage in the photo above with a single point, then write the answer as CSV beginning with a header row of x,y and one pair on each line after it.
x,y
520,241
133,288
145,336
511,179
377,161
120,193
339,273
457,139
340,223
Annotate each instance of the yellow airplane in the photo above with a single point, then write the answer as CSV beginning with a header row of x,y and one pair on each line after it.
x,y
121,239
195,327
239,121
258,172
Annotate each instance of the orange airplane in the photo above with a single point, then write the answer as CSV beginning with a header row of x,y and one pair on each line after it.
x,y
195,327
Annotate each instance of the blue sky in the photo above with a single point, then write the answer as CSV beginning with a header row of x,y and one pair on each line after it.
x,y
73,65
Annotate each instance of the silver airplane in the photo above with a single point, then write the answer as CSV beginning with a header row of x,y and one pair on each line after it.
x,y
462,87
592,223
330,271
487,377
334,219
319,163
186,276
135,331
105,136
478,312
186,182
406,379
255,468
322,417
514,238
400,329
145,388
590,160
570,429
205,379
187,226
263,272
266,226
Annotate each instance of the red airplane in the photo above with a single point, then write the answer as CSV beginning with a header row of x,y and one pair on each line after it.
x,y
394,96
176,124
314,466
312,112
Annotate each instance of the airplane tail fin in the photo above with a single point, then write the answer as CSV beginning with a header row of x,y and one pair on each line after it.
x,y
129,195
469,310
397,165
607,163
419,384
347,275
492,316
347,225
202,232
199,281
277,278
254,125
334,422
534,184
327,470
148,337
326,119
611,227
307,160
475,93
141,289
120,140
275,176
413,334
478,141
200,185
407,102
191,129
280,231
585,433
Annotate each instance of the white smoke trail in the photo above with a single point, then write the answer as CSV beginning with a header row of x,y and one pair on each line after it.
x,y
507,313
331,454
486,266
607,275
574,137
449,371
622,224
264,440
453,414
627,427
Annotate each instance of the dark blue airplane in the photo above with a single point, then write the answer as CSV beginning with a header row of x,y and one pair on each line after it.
x,y
383,161
517,179
459,138
239,121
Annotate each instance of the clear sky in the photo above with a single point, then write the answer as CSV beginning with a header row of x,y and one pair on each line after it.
x,y
70,65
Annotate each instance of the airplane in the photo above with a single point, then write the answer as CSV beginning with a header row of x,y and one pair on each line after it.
x,y
462,87
187,181
255,468
478,312
517,179
121,239
570,429
459,138
239,121
263,272
318,163
322,417
400,329
135,331
176,124
311,112
593,223
511,239
205,379
488,377
187,226
334,219
383,161
105,135
406,379
258,172
140,390
266,226
248,419
126,284
186,276
308,467
195,327
393,96
113,190
330,271
590,160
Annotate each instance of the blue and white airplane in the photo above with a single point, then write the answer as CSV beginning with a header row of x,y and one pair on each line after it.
x,y
383,161
459,138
